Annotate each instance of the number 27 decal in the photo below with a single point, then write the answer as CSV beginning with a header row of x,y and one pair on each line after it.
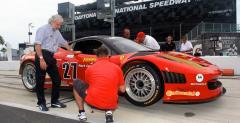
x,y
66,70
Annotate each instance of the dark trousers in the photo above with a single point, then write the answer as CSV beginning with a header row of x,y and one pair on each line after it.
x,y
52,71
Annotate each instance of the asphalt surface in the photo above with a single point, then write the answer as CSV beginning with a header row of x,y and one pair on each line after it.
x,y
225,109
17,115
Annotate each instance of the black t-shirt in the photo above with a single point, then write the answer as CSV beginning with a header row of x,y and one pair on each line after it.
x,y
169,47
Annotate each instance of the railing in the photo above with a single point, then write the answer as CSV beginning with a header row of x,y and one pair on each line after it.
x,y
201,28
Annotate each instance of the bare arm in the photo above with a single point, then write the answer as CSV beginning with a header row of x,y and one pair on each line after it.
x,y
67,46
38,49
122,88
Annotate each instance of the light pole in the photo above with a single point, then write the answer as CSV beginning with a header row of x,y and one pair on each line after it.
x,y
106,11
112,5
29,32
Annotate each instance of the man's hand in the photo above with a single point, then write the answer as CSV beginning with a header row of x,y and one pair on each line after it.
x,y
76,52
43,64
137,40
122,88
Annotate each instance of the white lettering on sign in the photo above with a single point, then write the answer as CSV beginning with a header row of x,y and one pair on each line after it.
x,y
85,16
138,7
131,8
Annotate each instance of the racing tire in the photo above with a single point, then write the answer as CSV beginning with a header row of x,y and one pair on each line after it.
x,y
144,86
28,77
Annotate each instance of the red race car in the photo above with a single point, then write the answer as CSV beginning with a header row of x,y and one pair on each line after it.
x,y
149,75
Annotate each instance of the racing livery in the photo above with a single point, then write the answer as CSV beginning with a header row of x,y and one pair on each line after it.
x,y
149,75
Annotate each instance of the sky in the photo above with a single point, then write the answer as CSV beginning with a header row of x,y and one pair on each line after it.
x,y
15,15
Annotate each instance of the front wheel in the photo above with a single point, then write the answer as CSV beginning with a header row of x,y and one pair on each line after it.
x,y
28,77
143,85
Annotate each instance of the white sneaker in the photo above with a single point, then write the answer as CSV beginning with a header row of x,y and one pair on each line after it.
x,y
82,116
109,117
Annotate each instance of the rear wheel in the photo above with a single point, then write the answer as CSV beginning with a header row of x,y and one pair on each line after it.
x,y
143,85
28,77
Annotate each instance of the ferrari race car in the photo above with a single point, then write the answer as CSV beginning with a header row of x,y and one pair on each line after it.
x,y
149,75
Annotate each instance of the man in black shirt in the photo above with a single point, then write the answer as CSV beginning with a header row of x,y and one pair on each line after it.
x,y
169,45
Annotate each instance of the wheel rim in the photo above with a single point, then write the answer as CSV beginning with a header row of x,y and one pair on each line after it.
x,y
29,79
140,84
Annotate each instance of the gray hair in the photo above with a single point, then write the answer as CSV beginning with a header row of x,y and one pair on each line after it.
x,y
54,18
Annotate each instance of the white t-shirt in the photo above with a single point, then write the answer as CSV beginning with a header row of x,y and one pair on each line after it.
x,y
186,46
151,43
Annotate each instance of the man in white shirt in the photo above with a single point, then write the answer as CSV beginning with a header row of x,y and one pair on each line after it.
x,y
147,41
186,46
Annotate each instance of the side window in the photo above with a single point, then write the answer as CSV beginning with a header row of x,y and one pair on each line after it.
x,y
87,47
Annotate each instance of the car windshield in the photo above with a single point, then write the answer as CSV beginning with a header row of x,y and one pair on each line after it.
x,y
123,45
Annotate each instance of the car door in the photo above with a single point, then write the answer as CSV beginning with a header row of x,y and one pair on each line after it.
x,y
88,56
67,66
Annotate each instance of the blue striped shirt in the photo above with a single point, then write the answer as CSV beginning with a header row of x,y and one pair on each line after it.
x,y
49,38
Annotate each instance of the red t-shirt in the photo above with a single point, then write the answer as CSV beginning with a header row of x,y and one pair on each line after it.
x,y
104,79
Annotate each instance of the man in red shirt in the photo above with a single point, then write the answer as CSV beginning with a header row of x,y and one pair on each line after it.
x,y
103,80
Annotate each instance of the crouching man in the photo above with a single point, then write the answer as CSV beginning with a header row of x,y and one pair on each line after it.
x,y
100,89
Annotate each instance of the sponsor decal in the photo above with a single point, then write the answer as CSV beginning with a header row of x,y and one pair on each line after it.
x,y
91,59
70,56
182,93
122,57
199,77
83,65
198,84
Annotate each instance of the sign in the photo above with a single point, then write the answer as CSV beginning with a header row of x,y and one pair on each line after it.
x,y
137,7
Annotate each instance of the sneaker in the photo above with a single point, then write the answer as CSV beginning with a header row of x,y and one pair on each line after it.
x,y
58,104
109,117
43,107
82,116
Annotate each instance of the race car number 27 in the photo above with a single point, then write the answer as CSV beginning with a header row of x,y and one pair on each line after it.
x,y
66,70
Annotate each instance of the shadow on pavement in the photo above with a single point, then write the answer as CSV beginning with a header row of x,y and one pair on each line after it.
x,y
16,115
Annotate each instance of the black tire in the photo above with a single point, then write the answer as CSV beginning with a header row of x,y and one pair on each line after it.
x,y
140,90
28,76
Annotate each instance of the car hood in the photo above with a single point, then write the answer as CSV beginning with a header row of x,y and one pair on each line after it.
x,y
184,58
174,57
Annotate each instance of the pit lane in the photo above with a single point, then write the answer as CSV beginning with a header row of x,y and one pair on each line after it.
x,y
226,109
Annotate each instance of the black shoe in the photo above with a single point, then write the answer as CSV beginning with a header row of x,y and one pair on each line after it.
x,y
109,117
58,104
43,107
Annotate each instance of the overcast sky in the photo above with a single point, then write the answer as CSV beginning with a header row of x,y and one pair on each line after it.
x,y
15,15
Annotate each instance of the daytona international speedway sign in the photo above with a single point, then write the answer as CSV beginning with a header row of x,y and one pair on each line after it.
x,y
137,7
